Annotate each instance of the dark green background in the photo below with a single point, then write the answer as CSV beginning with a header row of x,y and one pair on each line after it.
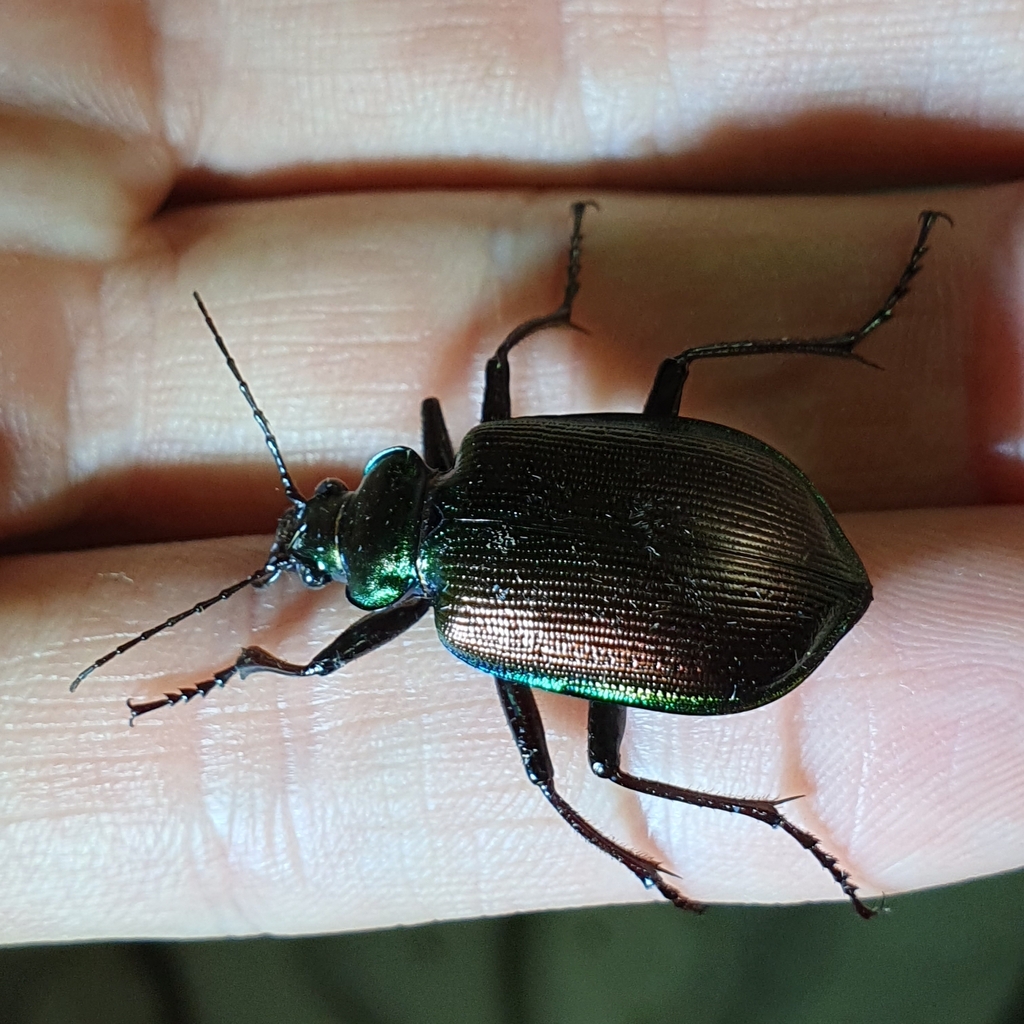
x,y
953,954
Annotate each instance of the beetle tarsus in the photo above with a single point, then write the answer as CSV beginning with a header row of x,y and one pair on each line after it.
x,y
760,810
606,726
679,900
813,846
364,635
666,393
497,403
142,706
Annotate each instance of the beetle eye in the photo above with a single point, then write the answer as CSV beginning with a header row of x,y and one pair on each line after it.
x,y
313,578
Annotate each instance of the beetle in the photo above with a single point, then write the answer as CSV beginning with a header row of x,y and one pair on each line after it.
x,y
631,560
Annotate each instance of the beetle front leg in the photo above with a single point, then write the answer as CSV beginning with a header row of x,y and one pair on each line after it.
x,y
497,403
666,392
524,719
368,633
605,727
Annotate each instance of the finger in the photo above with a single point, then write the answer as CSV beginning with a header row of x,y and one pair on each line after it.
x,y
391,792
721,97
106,114
344,312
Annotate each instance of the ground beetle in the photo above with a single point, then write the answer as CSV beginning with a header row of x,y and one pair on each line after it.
x,y
645,561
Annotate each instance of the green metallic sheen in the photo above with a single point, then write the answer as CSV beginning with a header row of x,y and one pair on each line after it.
x,y
311,538
674,565
379,529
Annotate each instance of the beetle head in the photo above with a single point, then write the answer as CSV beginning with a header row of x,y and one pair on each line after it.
x,y
307,537
306,541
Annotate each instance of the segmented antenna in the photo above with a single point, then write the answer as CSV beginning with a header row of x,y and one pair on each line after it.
x,y
282,471
257,577
262,575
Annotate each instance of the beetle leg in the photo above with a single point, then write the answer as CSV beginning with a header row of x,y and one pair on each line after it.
x,y
437,444
497,404
525,722
366,634
663,401
605,726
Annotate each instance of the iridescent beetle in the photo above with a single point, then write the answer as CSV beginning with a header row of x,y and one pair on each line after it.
x,y
633,560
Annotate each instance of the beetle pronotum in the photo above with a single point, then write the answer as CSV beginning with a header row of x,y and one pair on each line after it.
x,y
632,560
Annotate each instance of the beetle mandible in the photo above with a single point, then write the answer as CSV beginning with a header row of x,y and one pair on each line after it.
x,y
632,560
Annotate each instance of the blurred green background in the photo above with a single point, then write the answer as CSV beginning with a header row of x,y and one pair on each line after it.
x,y
954,954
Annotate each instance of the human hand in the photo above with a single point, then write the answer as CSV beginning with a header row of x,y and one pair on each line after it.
x,y
391,792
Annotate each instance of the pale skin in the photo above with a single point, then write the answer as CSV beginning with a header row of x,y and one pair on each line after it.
x,y
391,791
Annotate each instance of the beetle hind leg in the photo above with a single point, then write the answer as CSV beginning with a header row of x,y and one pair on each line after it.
x,y
524,719
497,403
605,727
667,390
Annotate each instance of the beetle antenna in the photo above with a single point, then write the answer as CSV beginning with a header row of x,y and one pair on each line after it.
x,y
282,470
260,576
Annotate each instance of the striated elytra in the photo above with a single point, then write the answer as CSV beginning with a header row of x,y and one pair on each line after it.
x,y
642,560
